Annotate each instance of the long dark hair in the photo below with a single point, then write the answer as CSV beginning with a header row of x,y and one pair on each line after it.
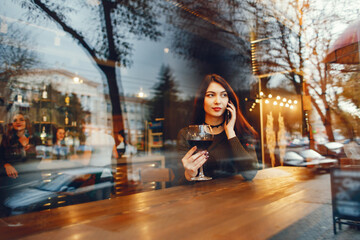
x,y
55,130
242,126
122,133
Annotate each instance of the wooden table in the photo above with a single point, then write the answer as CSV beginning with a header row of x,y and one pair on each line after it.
x,y
218,209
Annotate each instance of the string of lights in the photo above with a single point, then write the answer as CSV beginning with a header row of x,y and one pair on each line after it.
x,y
278,101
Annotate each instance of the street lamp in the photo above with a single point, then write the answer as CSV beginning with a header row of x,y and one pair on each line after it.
x,y
141,94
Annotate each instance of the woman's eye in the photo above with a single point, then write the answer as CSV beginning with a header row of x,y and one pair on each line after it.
x,y
224,95
19,120
210,95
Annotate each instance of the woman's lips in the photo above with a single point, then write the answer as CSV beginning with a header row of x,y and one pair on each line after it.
x,y
217,109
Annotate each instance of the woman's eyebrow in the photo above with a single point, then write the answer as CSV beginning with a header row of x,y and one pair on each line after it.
x,y
215,92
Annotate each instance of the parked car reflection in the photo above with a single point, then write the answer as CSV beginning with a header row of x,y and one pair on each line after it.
x,y
335,149
299,142
64,188
309,158
332,149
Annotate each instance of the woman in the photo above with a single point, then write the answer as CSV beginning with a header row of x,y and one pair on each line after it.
x,y
60,150
217,105
18,156
120,148
124,148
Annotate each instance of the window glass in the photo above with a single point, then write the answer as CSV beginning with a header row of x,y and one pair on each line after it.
x,y
94,92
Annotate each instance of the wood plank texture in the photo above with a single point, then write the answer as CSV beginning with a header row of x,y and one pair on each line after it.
x,y
219,209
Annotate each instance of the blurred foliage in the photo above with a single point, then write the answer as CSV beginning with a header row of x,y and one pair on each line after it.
x,y
17,52
166,104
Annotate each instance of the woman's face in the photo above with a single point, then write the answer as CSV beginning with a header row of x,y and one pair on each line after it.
x,y
19,123
120,138
60,134
215,101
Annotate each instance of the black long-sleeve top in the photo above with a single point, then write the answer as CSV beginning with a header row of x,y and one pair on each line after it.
x,y
12,151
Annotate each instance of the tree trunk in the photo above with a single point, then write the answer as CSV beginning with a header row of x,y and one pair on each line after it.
x,y
328,125
110,73
325,117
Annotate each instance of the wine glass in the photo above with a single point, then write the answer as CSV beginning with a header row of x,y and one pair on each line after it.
x,y
202,137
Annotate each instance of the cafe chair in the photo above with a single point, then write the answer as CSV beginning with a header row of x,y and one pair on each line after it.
x,y
155,178
345,162
156,175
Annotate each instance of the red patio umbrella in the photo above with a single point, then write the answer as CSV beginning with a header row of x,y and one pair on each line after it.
x,y
346,48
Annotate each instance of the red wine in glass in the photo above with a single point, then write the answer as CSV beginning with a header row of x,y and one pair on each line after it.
x,y
200,144
202,137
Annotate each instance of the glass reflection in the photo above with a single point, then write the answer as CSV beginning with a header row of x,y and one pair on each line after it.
x,y
116,81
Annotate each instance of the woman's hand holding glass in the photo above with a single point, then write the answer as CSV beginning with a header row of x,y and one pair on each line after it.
x,y
230,124
192,163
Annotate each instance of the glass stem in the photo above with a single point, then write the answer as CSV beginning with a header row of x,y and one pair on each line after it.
x,y
201,173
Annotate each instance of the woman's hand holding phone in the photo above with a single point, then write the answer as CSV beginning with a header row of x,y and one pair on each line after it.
x,y
230,119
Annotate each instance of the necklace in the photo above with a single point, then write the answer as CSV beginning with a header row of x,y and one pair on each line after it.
x,y
216,126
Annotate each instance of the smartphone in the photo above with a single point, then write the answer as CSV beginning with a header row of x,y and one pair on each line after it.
x,y
227,116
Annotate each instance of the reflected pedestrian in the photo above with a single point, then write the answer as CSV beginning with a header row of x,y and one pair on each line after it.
x,y
101,150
